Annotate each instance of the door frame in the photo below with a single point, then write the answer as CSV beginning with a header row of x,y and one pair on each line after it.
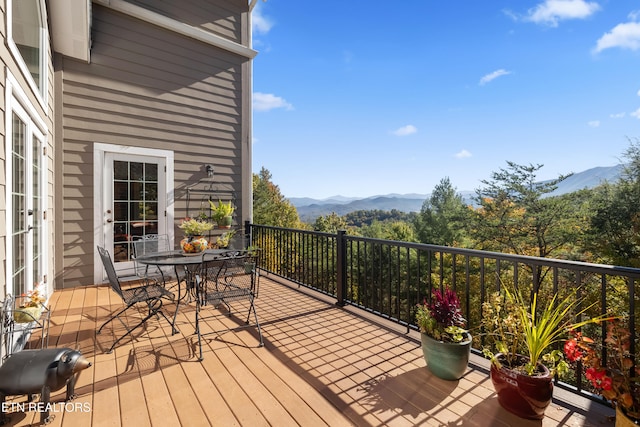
x,y
99,151
16,100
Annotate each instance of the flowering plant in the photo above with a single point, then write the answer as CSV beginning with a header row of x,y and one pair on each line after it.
x,y
516,328
617,380
32,298
195,227
442,319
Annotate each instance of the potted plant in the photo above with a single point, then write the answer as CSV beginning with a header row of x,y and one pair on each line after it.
x,y
524,336
446,345
224,239
252,254
194,230
30,309
618,378
222,213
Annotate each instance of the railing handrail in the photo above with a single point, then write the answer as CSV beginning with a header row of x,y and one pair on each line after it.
x,y
388,278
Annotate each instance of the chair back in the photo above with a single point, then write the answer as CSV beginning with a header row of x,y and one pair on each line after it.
x,y
111,271
151,243
241,271
147,244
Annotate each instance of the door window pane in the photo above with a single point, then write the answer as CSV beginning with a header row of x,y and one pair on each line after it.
x,y
19,200
135,193
36,210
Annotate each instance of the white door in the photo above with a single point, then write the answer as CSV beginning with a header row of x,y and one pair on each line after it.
x,y
26,216
135,204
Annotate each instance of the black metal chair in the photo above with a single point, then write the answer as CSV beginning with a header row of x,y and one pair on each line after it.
x,y
225,281
150,294
151,243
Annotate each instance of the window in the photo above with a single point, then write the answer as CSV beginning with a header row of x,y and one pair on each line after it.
x,y
28,41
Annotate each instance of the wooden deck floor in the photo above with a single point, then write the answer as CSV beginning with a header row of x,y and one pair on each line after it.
x,y
321,365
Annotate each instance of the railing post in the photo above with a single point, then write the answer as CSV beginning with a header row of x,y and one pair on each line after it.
x,y
341,263
247,233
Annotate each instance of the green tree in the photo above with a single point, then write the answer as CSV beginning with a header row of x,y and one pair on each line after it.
x,y
270,207
330,223
517,215
615,225
442,217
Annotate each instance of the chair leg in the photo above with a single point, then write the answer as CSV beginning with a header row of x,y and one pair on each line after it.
x,y
117,315
198,331
147,317
255,315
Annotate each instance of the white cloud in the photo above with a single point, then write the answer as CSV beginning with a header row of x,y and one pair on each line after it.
x,y
550,12
463,154
639,93
594,123
491,76
268,101
405,130
624,36
636,114
260,24
617,115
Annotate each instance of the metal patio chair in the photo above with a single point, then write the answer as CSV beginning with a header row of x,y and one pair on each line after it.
x,y
151,243
150,294
225,281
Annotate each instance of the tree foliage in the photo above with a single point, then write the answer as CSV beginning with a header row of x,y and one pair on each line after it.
x,y
615,225
330,223
442,217
364,218
270,207
517,215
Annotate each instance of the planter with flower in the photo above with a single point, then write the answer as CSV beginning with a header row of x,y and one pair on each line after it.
x,y
30,308
194,230
446,345
222,213
616,378
523,341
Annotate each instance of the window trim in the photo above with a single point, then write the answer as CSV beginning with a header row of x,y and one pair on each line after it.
x,y
41,93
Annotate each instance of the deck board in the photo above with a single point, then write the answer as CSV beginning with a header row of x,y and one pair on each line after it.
x,y
321,365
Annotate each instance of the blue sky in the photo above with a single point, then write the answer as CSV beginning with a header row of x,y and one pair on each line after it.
x,y
359,98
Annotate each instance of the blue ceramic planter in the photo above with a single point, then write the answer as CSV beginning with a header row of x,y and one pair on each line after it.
x,y
446,360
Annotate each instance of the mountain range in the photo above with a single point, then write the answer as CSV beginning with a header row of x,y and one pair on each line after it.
x,y
309,209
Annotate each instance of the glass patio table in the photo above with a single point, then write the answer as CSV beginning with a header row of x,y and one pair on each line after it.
x,y
187,264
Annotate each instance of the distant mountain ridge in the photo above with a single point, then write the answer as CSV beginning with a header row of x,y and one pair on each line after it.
x,y
309,209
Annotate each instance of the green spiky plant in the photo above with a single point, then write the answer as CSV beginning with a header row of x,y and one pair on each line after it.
x,y
519,328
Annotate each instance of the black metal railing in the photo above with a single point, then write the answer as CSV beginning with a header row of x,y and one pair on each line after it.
x,y
389,278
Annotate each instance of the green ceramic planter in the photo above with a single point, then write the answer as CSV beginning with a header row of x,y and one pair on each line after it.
x,y
448,361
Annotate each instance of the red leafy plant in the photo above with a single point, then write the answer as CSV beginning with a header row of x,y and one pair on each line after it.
x,y
442,318
614,378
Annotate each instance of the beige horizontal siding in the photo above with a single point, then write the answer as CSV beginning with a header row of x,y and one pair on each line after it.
x,y
147,87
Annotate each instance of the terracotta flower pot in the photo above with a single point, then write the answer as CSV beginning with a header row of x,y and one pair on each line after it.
x,y
622,420
526,396
446,360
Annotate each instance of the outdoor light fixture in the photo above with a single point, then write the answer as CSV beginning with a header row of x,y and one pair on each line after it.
x,y
209,169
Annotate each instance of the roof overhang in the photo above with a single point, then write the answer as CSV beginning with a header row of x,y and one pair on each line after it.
x,y
177,27
71,28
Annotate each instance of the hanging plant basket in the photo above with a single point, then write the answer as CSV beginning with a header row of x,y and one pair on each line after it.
x,y
27,314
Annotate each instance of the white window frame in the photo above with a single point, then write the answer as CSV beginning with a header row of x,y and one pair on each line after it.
x,y
17,101
41,93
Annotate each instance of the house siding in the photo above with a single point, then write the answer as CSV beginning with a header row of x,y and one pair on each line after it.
x,y
148,87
